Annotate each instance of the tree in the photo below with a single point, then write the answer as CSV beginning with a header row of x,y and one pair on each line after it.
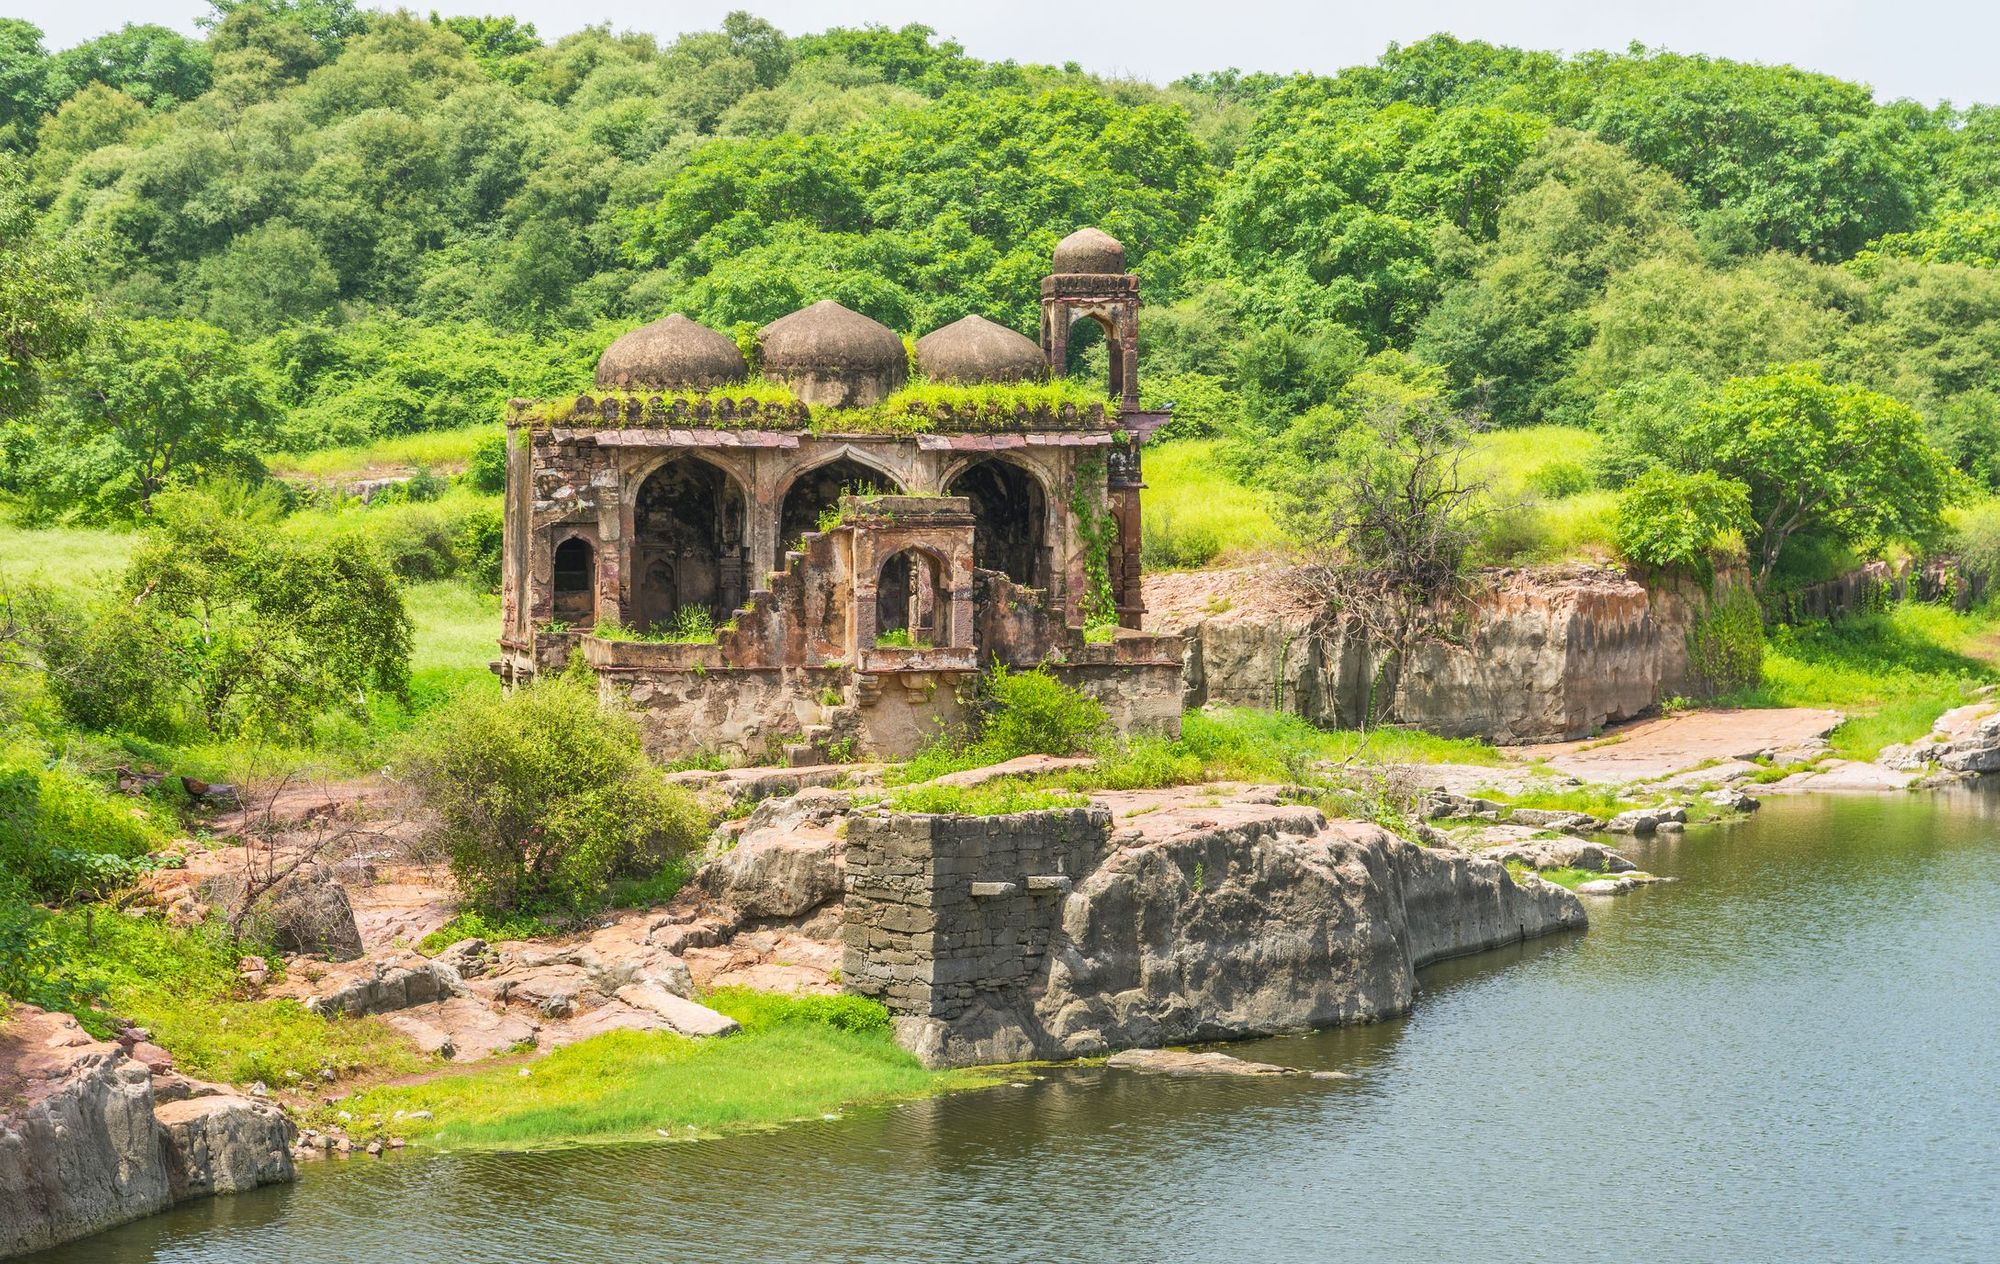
x,y
262,631
1823,459
162,401
24,72
1580,212
1666,518
153,64
44,310
1391,521
542,797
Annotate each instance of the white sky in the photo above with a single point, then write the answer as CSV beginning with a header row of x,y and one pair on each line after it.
x,y
1925,49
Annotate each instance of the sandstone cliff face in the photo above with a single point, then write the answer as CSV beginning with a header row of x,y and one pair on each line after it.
x,y
84,1145
1549,654
1214,923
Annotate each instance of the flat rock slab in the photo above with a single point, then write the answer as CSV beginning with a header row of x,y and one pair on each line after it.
x,y
679,1014
1024,766
1208,1062
1676,743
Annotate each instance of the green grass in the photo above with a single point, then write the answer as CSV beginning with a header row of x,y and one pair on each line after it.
x,y
1542,507
181,985
994,798
75,559
445,451
795,1059
1603,802
1892,672
1195,515
496,929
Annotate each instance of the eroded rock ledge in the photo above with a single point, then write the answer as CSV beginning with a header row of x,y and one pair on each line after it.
x,y
1046,935
92,1137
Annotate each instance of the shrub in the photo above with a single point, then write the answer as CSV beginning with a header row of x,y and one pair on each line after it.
x,y
486,469
478,547
1976,539
1033,713
1558,479
1726,643
1671,519
543,798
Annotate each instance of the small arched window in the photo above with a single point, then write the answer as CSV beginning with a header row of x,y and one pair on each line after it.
x,y
911,603
576,582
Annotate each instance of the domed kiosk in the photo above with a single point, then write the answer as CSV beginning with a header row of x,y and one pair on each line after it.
x,y
832,357
1089,251
975,349
671,352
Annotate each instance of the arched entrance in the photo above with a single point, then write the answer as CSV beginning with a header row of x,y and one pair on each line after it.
x,y
575,582
1009,520
687,545
820,489
910,597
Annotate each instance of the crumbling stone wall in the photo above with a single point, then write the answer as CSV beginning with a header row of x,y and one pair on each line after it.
x,y
944,909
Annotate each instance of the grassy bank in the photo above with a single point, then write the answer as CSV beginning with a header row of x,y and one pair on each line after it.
x,y
796,1058
1892,672
441,451
1196,515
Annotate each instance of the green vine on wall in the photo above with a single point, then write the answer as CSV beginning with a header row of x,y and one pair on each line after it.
x,y
1096,526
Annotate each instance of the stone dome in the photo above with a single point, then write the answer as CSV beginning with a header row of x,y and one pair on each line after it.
x,y
975,349
1089,250
669,353
833,357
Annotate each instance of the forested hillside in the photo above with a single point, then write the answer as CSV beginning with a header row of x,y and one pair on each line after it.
x,y
323,225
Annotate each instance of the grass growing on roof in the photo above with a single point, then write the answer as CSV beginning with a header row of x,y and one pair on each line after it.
x,y
1892,672
796,1058
994,798
1196,515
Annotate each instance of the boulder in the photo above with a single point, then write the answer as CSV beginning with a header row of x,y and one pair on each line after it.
x,y
382,987
85,1144
686,1017
1560,853
1205,1062
1643,821
786,861
309,913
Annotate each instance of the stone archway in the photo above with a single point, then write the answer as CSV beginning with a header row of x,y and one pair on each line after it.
x,y
687,545
910,596
819,489
574,582
1009,520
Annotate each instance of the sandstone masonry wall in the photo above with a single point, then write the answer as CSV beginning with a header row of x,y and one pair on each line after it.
x,y
1041,935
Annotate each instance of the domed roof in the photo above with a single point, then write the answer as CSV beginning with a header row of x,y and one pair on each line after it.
x,y
827,336
1089,250
671,352
975,349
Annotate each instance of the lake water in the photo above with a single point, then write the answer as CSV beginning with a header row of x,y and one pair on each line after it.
x,y
1792,1053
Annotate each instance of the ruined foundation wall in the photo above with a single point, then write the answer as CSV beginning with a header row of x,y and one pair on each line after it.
x,y
1040,936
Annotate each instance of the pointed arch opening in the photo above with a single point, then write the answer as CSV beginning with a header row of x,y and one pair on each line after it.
x,y
687,545
575,582
1009,520
818,490
910,598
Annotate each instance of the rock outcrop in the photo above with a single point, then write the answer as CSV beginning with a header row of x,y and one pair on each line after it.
x,y
85,1144
1549,654
784,861
1036,936
1964,740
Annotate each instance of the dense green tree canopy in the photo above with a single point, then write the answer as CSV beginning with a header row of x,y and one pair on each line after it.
x,y
400,221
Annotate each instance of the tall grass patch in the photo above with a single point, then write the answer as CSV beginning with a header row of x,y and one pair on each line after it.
x,y
1196,515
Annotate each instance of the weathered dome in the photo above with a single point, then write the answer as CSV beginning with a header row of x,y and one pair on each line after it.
x,y
834,357
672,352
1089,250
975,349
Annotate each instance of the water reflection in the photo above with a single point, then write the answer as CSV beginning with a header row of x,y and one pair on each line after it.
x,y
1787,1054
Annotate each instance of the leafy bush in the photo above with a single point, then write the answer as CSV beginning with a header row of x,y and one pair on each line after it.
x,y
1033,713
1671,519
1726,643
486,470
543,798
498,928
1976,539
1558,479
